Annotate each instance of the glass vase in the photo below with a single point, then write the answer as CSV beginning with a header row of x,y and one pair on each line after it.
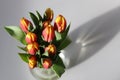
x,y
49,74
43,74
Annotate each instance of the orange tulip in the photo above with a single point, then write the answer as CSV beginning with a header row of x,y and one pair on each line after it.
x,y
25,25
47,63
49,14
31,37
48,33
32,48
51,49
32,62
60,23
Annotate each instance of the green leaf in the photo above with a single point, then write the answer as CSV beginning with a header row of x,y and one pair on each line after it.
x,y
58,67
39,64
41,25
24,57
64,34
64,43
22,48
59,61
59,70
39,16
16,32
34,19
45,53
39,61
58,36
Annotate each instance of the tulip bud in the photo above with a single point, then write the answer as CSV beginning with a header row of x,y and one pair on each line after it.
x,y
47,63
25,25
51,49
32,48
60,23
48,33
32,61
49,14
31,37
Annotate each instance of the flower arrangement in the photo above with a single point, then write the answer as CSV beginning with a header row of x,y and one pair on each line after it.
x,y
42,41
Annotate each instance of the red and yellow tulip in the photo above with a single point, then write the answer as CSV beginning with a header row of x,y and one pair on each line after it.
x,y
60,23
51,49
33,48
32,61
47,63
31,37
25,25
48,33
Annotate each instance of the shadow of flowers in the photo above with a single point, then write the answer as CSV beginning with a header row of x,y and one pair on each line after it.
x,y
89,38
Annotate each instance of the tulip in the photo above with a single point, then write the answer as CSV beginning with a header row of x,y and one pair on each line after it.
x,y
60,23
51,49
25,25
48,33
47,63
31,37
32,48
49,14
32,61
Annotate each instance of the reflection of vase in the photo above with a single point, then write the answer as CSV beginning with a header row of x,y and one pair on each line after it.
x,y
43,74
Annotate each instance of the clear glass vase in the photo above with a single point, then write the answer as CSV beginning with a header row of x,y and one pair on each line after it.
x,y
43,74
48,74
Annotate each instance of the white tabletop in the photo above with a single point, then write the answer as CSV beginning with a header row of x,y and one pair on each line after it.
x,y
95,32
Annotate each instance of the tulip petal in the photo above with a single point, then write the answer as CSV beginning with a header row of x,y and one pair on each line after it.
x,y
48,33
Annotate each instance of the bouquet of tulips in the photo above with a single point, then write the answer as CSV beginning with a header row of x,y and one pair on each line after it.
x,y
42,41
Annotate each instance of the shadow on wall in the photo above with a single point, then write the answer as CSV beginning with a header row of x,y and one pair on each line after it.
x,y
89,38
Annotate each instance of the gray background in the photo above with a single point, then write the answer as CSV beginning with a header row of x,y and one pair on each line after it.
x,y
95,25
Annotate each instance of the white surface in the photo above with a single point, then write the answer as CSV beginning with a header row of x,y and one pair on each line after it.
x,y
94,23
